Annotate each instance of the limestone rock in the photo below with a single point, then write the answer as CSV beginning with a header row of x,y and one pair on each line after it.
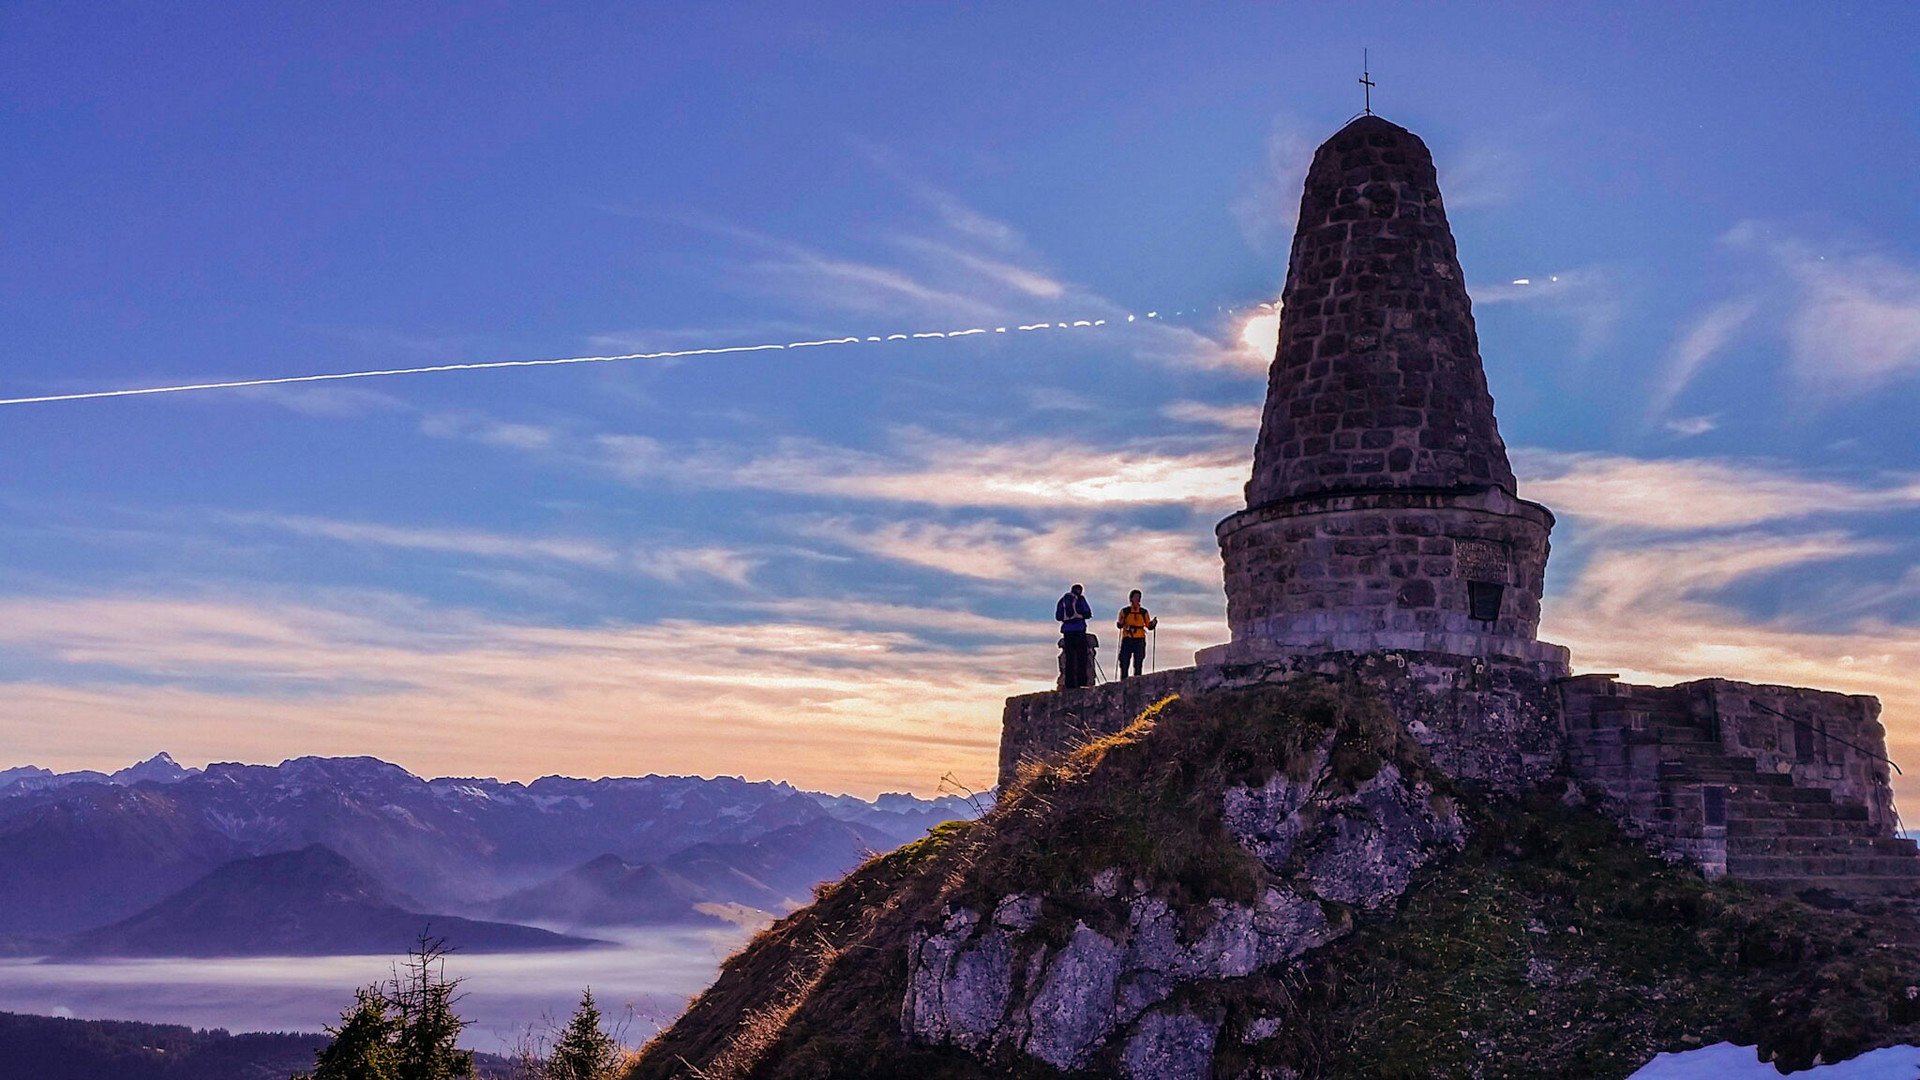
x,y
1266,819
1169,1046
1359,849
1382,833
991,985
1073,1012
1260,1030
958,988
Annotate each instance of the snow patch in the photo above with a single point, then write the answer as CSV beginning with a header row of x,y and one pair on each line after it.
x,y
1725,1061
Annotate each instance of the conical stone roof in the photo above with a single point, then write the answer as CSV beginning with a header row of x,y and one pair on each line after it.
x,y
1377,382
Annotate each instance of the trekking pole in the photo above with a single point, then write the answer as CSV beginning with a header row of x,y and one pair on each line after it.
x,y
1153,648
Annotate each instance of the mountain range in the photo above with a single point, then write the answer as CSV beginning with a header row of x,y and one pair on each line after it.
x,y
86,853
293,903
160,768
707,881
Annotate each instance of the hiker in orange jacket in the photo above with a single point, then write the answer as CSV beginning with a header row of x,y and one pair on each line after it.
x,y
1133,623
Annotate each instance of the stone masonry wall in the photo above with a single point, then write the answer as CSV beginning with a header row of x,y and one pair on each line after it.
x,y
1376,382
1339,571
1837,743
1783,787
1630,738
1493,721
1036,726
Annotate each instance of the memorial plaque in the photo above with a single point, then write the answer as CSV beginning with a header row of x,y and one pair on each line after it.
x,y
1481,560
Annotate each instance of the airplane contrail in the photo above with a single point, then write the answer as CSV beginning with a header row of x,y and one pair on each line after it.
x,y
672,354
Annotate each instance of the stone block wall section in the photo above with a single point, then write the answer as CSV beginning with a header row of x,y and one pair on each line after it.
x,y
1817,737
1346,571
1034,727
1745,780
1493,721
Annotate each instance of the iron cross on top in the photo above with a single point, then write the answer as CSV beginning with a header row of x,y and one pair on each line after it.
x,y
1366,80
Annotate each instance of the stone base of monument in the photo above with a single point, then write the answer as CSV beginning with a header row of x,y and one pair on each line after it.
x,y
1493,720
1784,787
1456,571
1553,660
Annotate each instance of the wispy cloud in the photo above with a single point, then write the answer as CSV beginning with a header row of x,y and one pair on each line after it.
x,y
675,565
847,707
451,541
1020,279
1859,326
489,430
1046,555
1617,584
1685,494
849,285
327,402
1270,202
962,268
1704,340
1228,417
1479,176
924,467
1689,426
1855,321
1054,399
684,564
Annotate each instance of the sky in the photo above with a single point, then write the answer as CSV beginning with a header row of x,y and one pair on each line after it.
x,y
1689,232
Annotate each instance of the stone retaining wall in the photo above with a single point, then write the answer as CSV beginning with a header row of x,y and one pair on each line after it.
x,y
1494,721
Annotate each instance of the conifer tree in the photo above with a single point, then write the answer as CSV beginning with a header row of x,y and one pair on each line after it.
x,y
362,1046
405,1030
584,1051
428,1035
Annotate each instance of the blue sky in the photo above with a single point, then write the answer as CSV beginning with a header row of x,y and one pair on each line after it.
x,y
829,565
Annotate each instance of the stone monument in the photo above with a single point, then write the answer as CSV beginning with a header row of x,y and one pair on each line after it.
x,y
1382,513
1384,541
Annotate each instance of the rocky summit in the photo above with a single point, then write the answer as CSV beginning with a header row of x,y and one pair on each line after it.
x,y
1385,831
1276,882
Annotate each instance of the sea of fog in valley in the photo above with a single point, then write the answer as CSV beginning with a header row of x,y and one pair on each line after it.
x,y
653,972
642,980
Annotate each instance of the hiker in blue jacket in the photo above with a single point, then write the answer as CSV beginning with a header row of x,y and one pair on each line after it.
x,y
1076,647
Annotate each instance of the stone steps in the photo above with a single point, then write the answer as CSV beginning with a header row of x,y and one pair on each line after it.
x,y
1835,865
1828,811
1771,827
1819,845
1693,746
1689,772
1853,886
1743,809
1671,734
1655,758
1757,797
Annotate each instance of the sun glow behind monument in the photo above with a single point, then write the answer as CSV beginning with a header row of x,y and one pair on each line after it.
x,y
1261,331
